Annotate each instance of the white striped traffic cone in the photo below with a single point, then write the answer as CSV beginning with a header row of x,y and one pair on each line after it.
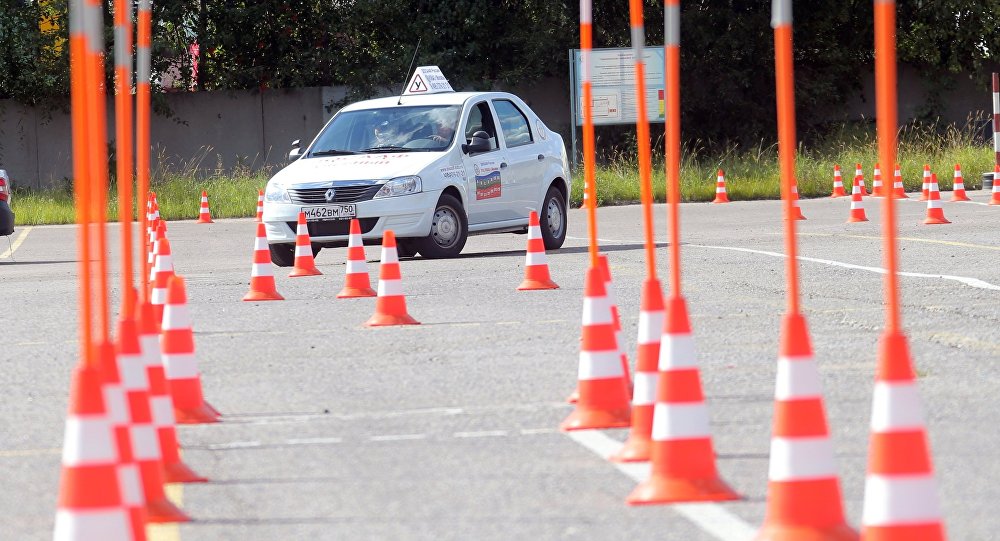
x,y
898,190
860,175
995,195
925,188
720,188
796,209
935,212
260,206
877,182
305,265
390,306
262,286
204,214
163,269
901,500
609,289
857,204
179,361
838,183
356,282
958,186
536,265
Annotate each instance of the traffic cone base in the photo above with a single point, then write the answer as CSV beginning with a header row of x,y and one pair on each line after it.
x,y
573,397
200,414
161,510
909,532
659,490
841,532
639,446
255,295
298,273
384,320
355,292
530,285
179,472
586,419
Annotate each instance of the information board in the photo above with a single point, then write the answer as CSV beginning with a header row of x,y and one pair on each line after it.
x,y
613,85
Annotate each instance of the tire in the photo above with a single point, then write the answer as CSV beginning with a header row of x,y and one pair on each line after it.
x,y
449,230
552,218
405,248
283,255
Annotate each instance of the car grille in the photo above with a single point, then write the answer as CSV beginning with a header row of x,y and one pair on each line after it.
x,y
332,228
342,194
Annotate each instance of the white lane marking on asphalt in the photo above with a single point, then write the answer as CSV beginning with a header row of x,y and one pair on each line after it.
x,y
399,437
233,445
313,441
481,434
532,431
972,282
710,517
16,244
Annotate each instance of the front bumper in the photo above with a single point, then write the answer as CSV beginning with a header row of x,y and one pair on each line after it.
x,y
407,216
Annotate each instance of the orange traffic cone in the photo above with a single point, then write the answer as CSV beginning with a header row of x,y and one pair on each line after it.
x,y
638,446
683,459
926,185
162,270
536,267
305,265
603,391
958,186
995,196
179,363
935,212
390,306
146,444
720,188
796,210
609,290
157,233
357,283
260,206
803,491
877,182
901,501
262,286
90,500
204,215
162,406
857,205
117,409
898,190
838,183
860,175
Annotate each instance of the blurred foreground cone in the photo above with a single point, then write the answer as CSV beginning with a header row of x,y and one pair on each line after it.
x,y
803,491
683,459
796,210
305,265
877,188
260,206
637,447
163,270
161,405
204,215
603,390
536,265
390,306
958,186
838,183
145,441
262,286
901,500
859,174
935,212
720,188
898,190
857,204
925,189
357,283
179,361
90,501
609,290
116,406
995,196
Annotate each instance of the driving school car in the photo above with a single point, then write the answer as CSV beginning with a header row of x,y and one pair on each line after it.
x,y
433,165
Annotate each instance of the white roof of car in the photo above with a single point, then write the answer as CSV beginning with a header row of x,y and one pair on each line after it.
x,y
444,98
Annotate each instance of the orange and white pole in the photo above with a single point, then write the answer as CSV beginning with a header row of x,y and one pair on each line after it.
x,y
81,171
143,53
97,131
589,144
123,145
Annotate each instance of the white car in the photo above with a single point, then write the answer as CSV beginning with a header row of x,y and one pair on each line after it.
x,y
432,168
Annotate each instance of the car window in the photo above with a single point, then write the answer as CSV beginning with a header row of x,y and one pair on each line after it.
x,y
424,128
481,119
513,123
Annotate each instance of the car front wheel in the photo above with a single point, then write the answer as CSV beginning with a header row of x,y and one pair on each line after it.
x,y
553,219
283,255
449,230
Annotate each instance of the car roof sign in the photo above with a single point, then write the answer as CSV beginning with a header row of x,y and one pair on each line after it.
x,y
427,80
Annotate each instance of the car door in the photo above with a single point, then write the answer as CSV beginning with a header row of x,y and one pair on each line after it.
x,y
525,159
485,172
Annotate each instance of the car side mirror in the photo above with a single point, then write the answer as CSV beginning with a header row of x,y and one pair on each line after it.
x,y
296,152
480,142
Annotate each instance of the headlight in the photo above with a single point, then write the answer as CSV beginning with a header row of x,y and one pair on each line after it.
x,y
400,186
276,193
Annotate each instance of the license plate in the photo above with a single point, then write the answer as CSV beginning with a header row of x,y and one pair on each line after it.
x,y
330,212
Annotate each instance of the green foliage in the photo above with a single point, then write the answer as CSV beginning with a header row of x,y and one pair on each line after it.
x,y
34,64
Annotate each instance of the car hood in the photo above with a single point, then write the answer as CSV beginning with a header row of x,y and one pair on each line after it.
x,y
356,167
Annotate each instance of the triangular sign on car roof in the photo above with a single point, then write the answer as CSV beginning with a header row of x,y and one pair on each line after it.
x,y
427,80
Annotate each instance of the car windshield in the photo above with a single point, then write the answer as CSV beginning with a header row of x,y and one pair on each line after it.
x,y
397,129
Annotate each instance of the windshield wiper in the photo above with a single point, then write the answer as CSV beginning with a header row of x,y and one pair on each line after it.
x,y
332,152
388,148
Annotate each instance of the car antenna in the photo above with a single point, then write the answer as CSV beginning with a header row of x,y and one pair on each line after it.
x,y
412,60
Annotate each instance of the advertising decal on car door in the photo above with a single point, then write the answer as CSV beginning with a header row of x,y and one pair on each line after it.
x,y
488,181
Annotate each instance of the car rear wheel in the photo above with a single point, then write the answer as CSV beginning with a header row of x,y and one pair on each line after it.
x,y
449,230
553,219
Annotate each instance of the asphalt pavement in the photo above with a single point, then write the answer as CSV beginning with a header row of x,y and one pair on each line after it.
x,y
448,430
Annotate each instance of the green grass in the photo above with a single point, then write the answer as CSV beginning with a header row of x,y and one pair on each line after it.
x,y
751,173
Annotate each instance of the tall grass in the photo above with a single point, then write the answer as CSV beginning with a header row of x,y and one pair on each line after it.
x,y
753,173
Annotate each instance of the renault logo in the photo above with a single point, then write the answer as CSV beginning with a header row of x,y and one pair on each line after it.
x,y
329,195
